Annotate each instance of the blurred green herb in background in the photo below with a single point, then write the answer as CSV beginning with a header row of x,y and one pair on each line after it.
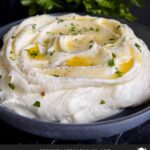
x,y
115,8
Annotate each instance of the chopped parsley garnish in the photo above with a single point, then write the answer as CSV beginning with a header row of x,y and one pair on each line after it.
x,y
113,55
55,75
12,58
97,29
13,37
90,46
138,46
72,24
119,73
0,76
72,29
118,27
34,26
102,101
60,33
111,62
123,39
48,32
91,28
37,104
59,20
33,53
11,85
51,53
91,41
111,39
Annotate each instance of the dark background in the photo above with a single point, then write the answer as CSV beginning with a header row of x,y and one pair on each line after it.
x,y
11,10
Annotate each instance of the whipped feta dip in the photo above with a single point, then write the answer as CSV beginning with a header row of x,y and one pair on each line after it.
x,y
72,68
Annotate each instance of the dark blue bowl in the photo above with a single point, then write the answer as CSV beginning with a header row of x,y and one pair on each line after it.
x,y
128,119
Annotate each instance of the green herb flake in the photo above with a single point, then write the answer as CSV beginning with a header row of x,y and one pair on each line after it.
x,y
0,76
97,29
90,46
111,39
34,26
102,101
72,29
55,75
33,53
119,73
13,37
113,55
138,46
111,62
37,104
11,85
48,32
118,27
59,20
60,33
12,58
91,28
123,39
51,53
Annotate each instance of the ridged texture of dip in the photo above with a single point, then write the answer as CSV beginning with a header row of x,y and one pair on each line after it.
x,y
72,68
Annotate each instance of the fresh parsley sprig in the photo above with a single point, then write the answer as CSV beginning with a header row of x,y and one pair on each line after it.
x,y
115,8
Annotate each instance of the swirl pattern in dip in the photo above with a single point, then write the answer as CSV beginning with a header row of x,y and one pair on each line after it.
x,y
72,68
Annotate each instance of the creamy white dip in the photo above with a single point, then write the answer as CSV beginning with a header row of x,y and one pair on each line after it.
x,y
72,68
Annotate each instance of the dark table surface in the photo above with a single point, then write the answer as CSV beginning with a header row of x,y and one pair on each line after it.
x,y
139,135
10,135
